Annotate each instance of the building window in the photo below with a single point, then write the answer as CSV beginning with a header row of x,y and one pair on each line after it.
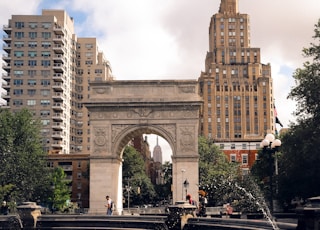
x,y
18,53
233,158
244,159
46,44
89,54
18,91
45,62
79,175
46,25
32,35
32,82
45,54
32,53
45,132
46,35
45,102
17,102
32,44
79,185
45,122
33,25
19,34
244,146
89,45
221,146
17,82
45,73
18,44
18,73
19,25
44,113
45,82
32,63
45,92
18,63
245,172
31,102
31,92
233,146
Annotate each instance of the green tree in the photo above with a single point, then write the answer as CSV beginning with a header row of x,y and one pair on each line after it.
x,y
135,176
215,172
299,167
23,162
60,190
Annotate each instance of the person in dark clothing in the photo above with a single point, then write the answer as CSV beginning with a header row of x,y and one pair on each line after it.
x,y
4,208
202,203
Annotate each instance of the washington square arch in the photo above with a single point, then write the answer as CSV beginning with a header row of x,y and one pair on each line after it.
x,y
121,110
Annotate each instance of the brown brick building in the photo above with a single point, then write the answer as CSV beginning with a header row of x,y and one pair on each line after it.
x,y
76,167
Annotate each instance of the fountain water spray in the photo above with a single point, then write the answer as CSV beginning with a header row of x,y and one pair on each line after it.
x,y
262,205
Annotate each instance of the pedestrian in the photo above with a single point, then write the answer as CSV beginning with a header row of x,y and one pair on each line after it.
x,y
202,203
109,206
229,210
4,208
190,200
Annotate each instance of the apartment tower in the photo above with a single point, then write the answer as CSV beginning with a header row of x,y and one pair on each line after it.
x,y
48,70
236,88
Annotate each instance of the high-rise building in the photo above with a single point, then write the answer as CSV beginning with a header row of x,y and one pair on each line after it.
x,y
157,159
236,87
157,152
48,70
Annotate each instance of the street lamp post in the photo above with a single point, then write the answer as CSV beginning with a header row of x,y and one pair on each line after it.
x,y
270,145
128,189
186,186
182,171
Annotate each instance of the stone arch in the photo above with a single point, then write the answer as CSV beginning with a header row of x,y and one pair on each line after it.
x,y
120,110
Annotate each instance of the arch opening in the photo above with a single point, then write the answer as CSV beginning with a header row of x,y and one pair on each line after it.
x,y
146,178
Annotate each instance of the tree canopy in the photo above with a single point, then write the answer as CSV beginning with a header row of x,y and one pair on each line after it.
x,y
299,163
215,171
134,176
60,190
23,172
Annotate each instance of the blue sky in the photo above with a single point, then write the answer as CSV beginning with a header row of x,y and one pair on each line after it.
x,y
152,39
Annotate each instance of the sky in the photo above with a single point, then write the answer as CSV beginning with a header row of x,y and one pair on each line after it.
x,y
168,39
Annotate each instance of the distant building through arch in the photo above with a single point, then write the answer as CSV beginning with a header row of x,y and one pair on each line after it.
x,y
157,152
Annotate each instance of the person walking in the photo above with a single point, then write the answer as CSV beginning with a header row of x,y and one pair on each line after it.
x,y
109,205
4,208
202,203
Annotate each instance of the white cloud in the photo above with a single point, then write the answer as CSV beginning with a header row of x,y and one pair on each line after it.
x,y
148,39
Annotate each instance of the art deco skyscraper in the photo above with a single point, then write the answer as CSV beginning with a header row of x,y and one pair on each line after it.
x,y
236,87
48,70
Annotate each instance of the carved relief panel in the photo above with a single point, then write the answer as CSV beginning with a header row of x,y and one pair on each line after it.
x,y
100,139
187,138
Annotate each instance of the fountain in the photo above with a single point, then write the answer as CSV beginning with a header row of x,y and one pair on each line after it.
x,y
262,205
250,193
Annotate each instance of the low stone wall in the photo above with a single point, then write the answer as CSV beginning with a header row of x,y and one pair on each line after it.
x,y
47,222
219,223
101,222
